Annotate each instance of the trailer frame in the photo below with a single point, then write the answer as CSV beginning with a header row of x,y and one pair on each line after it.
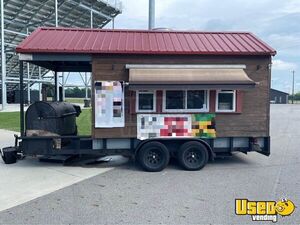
x,y
83,145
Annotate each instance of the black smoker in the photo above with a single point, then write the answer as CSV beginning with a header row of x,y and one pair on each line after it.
x,y
55,117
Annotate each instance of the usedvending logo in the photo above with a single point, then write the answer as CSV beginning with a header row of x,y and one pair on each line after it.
x,y
264,210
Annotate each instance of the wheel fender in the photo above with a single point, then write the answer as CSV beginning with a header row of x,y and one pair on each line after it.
x,y
211,154
138,147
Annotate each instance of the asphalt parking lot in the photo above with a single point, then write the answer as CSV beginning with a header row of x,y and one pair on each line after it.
x,y
126,195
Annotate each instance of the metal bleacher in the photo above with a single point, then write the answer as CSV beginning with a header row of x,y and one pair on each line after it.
x,y
21,17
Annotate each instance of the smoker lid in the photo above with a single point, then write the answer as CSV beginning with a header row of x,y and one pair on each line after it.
x,y
50,109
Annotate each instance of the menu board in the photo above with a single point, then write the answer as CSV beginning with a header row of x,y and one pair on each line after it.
x,y
109,104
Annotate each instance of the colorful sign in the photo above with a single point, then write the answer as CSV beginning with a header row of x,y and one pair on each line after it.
x,y
264,210
175,125
109,104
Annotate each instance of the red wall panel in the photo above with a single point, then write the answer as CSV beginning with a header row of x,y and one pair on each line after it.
x,y
212,101
239,101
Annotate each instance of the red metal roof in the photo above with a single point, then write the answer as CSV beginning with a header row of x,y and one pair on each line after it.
x,y
107,41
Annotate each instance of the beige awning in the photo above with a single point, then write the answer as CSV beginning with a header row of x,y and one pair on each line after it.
x,y
219,78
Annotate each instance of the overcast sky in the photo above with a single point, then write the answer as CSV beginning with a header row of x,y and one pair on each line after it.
x,y
277,22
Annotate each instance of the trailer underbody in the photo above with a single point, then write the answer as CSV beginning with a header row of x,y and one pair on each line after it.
x,y
76,147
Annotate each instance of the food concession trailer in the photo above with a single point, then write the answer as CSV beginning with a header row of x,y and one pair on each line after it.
x,y
155,95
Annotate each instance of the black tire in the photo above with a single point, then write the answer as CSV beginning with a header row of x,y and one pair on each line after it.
x,y
192,155
9,155
153,156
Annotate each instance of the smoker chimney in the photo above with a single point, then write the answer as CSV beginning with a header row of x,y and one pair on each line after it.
x,y
151,14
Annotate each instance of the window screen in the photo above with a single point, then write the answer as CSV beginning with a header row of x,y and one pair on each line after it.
x,y
226,100
175,100
145,101
196,99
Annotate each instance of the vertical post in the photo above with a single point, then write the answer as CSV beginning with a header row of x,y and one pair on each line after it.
x,y
63,86
113,23
56,88
21,100
293,87
151,14
28,84
3,59
86,87
91,18
28,79
56,14
40,85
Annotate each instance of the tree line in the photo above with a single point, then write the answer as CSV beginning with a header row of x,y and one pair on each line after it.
x,y
75,92
296,96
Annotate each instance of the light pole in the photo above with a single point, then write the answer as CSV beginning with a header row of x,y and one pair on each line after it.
x,y
3,59
293,87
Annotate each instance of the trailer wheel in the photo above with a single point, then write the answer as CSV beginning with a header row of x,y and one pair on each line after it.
x,y
192,155
9,155
153,156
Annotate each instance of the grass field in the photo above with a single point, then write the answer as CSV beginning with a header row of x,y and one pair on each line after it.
x,y
84,122
11,121
75,100
71,100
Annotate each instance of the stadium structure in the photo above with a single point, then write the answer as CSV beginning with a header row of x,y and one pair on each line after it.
x,y
20,18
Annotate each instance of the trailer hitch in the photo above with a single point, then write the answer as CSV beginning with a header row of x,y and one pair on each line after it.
x,y
20,155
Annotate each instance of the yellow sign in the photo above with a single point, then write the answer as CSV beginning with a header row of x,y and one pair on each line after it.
x,y
264,210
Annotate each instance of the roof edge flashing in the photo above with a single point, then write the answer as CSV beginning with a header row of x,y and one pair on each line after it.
x,y
25,57
185,66
191,86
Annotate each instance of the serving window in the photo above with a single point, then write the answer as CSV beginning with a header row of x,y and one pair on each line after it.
x,y
146,101
185,101
226,101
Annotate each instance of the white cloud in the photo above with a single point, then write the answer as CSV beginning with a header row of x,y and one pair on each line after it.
x,y
281,65
285,41
293,6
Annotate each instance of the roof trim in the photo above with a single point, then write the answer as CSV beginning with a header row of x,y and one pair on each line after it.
x,y
185,66
190,86
272,89
55,57
143,31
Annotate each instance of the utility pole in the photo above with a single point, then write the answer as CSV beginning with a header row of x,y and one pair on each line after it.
x,y
56,13
91,18
293,87
3,59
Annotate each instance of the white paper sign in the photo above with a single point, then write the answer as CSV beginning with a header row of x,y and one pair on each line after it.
x,y
109,104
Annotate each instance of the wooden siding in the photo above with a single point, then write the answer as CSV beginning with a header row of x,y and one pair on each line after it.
x,y
251,120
